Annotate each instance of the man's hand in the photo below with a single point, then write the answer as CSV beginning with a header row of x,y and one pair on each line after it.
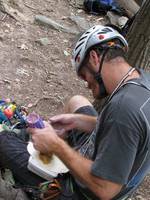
x,y
44,140
64,122
68,122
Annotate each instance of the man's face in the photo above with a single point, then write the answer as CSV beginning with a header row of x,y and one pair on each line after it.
x,y
88,77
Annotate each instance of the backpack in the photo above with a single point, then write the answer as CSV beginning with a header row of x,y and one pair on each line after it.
x,y
12,116
102,6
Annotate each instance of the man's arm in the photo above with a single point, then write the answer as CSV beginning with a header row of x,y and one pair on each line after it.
x,y
74,121
80,167
46,141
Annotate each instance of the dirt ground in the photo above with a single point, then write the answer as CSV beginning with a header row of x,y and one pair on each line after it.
x,y
37,76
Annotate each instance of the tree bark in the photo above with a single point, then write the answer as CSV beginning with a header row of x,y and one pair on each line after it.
x,y
139,39
140,2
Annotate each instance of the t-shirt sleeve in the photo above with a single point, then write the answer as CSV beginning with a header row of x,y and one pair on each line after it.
x,y
116,152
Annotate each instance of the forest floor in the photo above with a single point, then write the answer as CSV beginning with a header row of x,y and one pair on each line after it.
x,y
35,67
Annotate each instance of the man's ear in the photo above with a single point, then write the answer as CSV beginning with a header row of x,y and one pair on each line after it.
x,y
94,58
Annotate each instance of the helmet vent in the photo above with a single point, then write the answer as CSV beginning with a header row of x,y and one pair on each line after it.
x,y
102,32
107,30
77,55
83,38
79,45
87,32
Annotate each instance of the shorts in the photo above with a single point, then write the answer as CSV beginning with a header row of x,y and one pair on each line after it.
x,y
76,137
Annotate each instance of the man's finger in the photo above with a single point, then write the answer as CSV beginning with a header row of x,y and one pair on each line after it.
x,y
55,118
31,131
60,131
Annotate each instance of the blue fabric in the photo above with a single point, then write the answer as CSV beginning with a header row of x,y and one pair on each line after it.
x,y
100,6
106,2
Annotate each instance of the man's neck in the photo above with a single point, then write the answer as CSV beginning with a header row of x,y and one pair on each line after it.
x,y
120,72
135,74
129,75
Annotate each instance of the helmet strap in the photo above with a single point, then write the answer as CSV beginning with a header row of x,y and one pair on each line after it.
x,y
102,93
97,75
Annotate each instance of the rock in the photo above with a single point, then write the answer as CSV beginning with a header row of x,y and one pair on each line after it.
x,y
7,192
122,21
79,3
113,17
79,11
23,47
6,31
9,87
22,72
7,81
17,80
66,53
81,22
65,41
43,41
1,38
7,175
54,25
48,80
76,3
139,197
116,19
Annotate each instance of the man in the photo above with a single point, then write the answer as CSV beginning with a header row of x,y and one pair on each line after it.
x,y
111,155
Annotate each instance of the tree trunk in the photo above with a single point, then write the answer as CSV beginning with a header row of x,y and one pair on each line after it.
x,y
139,39
140,2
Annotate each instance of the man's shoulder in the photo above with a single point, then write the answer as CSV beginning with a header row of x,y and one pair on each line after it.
x,y
127,101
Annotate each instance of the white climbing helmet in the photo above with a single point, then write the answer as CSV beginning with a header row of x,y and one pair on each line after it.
x,y
96,35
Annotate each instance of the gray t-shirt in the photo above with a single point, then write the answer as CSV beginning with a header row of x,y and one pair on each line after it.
x,y
120,145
